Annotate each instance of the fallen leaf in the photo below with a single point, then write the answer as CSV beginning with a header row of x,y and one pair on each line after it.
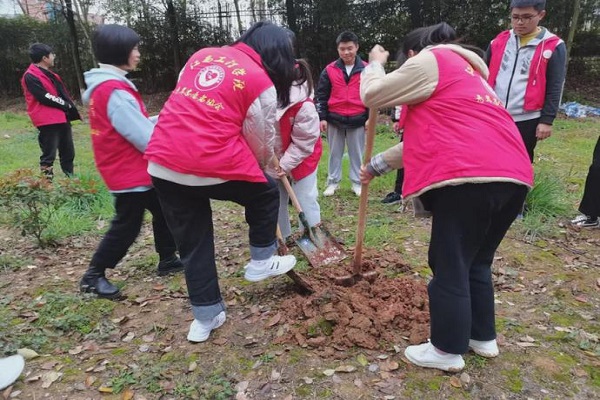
x,y
76,350
127,394
454,381
104,389
242,386
159,287
89,380
128,337
27,354
389,366
308,380
148,338
274,320
362,360
581,299
528,339
192,367
219,341
49,365
527,344
345,368
329,372
49,378
275,375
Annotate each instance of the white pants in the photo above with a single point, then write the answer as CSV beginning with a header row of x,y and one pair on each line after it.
x,y
337,138
306,191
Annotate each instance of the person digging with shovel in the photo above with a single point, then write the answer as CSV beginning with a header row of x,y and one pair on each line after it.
x,y
467,166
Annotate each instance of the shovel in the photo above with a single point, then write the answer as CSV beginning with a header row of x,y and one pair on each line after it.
x,y
300,282
317,244
357,273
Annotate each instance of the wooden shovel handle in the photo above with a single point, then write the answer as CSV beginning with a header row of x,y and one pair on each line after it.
x,y
288,187
364,193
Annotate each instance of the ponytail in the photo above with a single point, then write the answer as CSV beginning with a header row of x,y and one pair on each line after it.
x,y
303,74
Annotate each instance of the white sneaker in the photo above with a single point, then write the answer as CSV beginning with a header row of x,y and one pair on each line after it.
x,y
199,330
357,189
488,348
330,189
10,370
425,355
263,269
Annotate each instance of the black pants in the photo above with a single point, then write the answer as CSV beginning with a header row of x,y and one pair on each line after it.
x,y
189,215
469,222
399,181
125,228
590,203
53,138
528,130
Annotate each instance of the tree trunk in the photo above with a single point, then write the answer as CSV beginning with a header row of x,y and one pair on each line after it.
x,y
236,4
172,17
414,8
573,28
290,11
74,45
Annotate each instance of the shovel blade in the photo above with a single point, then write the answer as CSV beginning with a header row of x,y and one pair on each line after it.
x,y
320,248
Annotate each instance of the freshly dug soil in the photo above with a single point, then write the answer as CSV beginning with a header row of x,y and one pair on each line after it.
x,y
392,309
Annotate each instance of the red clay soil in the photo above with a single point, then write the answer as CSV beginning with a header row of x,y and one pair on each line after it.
x,y
367,315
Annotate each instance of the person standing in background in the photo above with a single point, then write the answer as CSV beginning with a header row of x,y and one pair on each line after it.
x,y
527,70
51,110
342,113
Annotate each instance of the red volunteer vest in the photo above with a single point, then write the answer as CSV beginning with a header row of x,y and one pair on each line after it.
x,y
199,130
535,93
461,131
39,113
345,97
286,125
121,165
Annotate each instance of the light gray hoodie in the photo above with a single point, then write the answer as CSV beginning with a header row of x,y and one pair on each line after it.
x,y
123,109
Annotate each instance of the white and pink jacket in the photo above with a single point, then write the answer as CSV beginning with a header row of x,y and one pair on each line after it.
x,y
456,131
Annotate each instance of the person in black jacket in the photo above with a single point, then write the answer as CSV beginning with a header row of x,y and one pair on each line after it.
x,y
51,109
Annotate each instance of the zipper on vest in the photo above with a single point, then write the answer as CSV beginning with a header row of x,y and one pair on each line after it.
x,y
512,75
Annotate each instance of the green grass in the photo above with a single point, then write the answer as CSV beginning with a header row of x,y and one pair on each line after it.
x,y
561,166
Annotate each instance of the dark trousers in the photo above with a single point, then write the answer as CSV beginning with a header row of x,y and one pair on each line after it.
x,y
126,225
469,222
189,215
399,181
590,202
53,138
528,129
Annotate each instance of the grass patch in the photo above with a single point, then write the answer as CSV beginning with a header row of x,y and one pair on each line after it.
x,y
514,381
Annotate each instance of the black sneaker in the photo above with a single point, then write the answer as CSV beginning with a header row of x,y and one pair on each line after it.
x,y
169,266
392,198
585,221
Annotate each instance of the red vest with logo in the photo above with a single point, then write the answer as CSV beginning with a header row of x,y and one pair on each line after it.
x,y
535,93
199,129
461,131
345,97
39,113
286,125
120,163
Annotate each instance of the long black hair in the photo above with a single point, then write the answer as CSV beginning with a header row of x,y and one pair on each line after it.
x,y
273,44
420,38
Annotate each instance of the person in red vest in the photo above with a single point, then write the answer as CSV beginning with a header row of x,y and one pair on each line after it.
x,y
342,113
120,130
299,150
527,70
213,140
51,109
452,115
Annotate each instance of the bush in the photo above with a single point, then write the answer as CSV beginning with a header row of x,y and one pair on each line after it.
x,y
30,201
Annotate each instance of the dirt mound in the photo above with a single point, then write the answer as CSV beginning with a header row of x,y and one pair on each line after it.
x,y
367,315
